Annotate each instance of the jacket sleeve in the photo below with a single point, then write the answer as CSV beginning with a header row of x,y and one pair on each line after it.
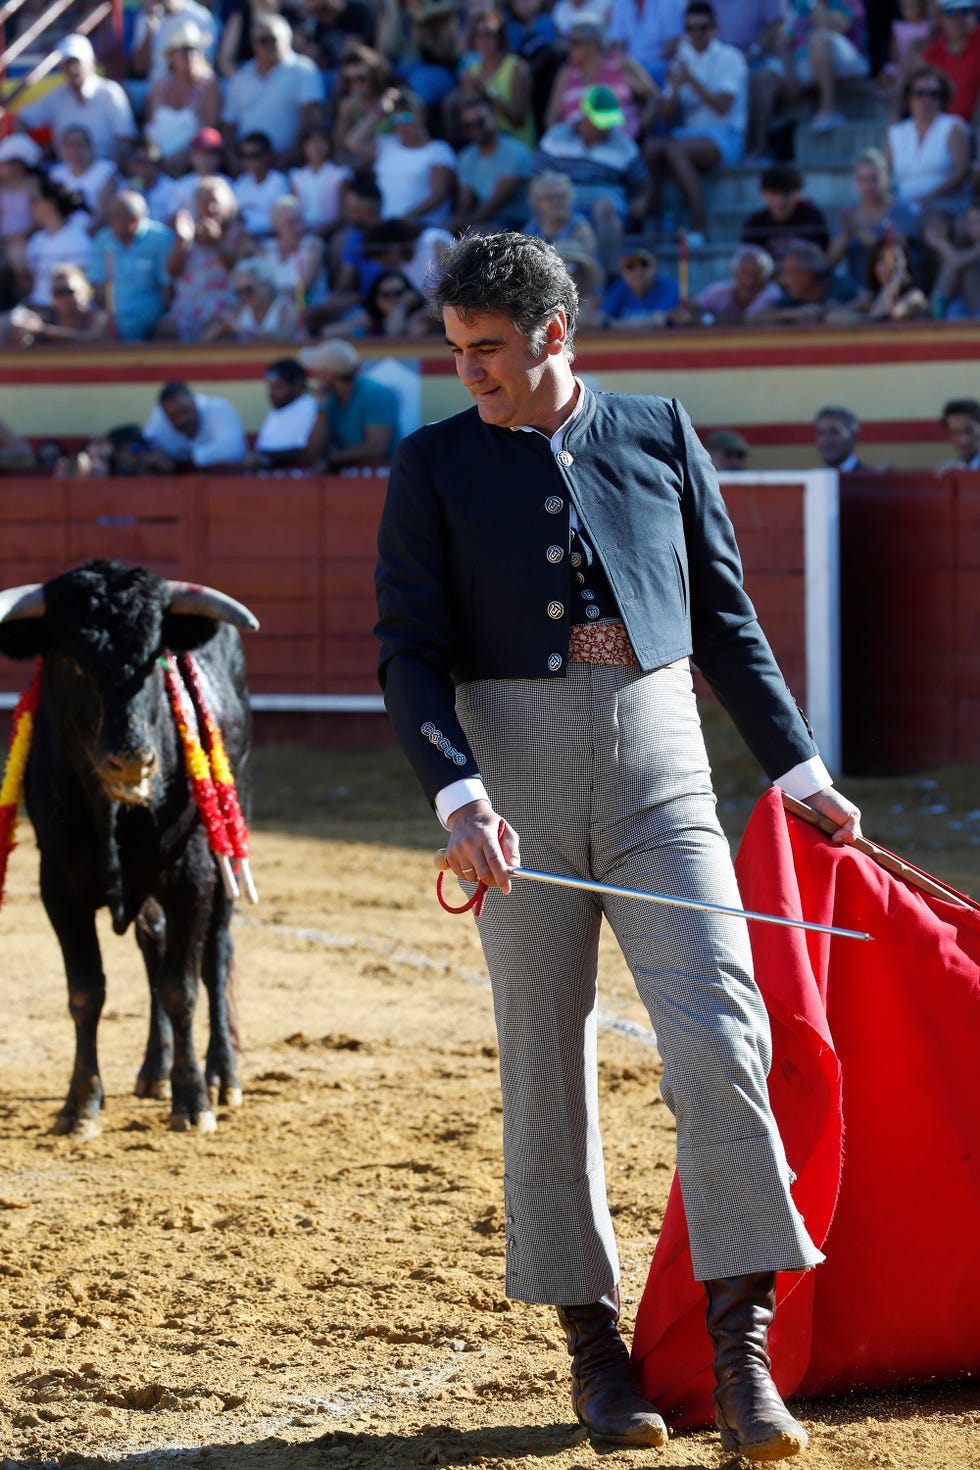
x,y
730,647
417,626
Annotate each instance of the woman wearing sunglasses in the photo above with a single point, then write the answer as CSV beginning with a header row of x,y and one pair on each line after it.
x,y
928,153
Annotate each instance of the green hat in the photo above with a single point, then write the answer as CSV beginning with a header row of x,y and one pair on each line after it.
x,y
601,106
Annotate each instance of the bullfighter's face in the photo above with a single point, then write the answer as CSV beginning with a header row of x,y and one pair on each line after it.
x,y
509,384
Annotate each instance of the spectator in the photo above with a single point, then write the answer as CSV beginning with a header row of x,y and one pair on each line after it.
x,y
533,36
551,197
605,167
327,28
207,245
207,155
909,32
144,167
749,290
836,432
259,185
291,434
130,265
861,225
591,63
956,53
956,289
361,416
727,449
363,79
259,310
640,298
238,21
19,157
706,90
319,185
787,215
85,100
493,171
279,93
156,22
649,33
16,455
94,178
185,99
294,255
493,71
193,430
346,265
423,42
890,292
928,152
61,237
415,173
809,290
72,317
961,420
822,44
391,308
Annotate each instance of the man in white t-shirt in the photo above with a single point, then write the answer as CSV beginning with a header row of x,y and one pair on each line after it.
x,y
85,100
292,435
189,430
705,104
279,93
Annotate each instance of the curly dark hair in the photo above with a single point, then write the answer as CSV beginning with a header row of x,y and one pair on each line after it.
x,y
521,276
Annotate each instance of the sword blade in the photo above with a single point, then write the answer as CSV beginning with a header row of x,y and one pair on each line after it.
x,y
686,903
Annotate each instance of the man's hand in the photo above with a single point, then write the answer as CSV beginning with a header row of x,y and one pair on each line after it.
x,y
831,804
475,852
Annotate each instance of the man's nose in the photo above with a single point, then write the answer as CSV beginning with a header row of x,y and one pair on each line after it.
x,y
470,369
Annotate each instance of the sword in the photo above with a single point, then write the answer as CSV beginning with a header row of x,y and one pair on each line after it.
x,y
666,898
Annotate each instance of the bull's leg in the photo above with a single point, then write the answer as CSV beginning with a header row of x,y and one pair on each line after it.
x,y
153,1079
188,911
74,923
220,1067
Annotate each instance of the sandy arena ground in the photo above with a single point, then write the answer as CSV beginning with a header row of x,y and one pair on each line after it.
x,y
319,1283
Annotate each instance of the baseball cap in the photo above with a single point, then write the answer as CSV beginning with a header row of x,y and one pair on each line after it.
x,y
729,441
207,138
76,48
21,147
333,356
601,106
587,26
287,368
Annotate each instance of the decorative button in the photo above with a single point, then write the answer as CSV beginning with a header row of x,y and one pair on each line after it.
x,y
554,554
554,662
592,611
576,558
579,579
554,504
563,457
588,594
556,609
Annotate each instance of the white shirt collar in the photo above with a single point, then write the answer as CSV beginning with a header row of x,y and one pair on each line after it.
x,y
557,438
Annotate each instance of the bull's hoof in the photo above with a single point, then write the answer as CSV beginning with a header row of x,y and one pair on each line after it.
x,y
226,1097
158,1088
183,1123
70,1125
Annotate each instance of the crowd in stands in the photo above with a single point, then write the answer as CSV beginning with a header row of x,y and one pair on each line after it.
x,y
286,170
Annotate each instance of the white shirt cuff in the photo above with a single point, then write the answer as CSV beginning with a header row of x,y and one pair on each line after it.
x,y
458,794
803,780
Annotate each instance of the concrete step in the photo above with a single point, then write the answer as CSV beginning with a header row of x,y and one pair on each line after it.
x,y
840,148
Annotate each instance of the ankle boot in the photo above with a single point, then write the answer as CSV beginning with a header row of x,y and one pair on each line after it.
x,y
748,1410
605,1392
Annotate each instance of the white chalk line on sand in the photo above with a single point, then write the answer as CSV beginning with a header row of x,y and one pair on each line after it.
x,y
420,961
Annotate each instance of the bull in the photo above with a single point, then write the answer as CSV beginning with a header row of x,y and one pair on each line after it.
x,y
115,819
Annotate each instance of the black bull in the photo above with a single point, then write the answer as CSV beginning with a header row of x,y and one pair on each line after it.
x,y
115,819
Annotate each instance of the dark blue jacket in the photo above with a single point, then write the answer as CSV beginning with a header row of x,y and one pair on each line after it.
x,y
474,579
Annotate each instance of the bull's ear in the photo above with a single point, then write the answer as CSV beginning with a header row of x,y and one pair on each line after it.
x,y
185,631
24,637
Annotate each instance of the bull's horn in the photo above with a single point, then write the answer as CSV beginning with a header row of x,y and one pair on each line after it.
x,y
207,602
22,602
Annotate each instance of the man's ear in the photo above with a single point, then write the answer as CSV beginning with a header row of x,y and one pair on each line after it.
x,y
556,333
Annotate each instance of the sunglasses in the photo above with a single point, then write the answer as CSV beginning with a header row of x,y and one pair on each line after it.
x,y
62,290
637,263
391,293
252,153
244,290
697,25
486,31
404,117
926,92
264,40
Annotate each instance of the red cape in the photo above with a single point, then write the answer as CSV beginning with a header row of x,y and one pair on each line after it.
x,y
873,1084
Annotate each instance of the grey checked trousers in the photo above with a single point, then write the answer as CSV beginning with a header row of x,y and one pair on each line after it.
x,y
604,775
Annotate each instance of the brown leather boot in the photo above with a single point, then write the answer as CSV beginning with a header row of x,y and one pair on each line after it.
x,y
605,1393
748,1410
